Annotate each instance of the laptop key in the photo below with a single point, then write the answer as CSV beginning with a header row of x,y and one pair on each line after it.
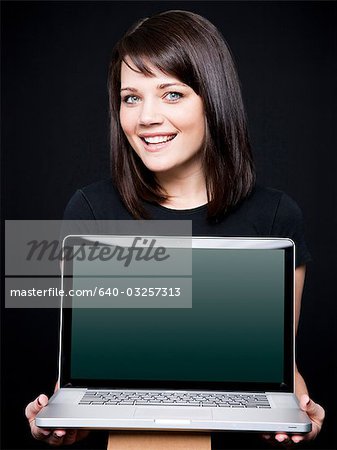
x,y
189,403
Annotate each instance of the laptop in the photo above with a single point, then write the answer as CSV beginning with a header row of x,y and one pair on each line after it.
x,y
198,337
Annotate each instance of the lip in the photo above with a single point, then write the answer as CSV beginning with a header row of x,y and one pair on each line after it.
x,y
153,148
159,133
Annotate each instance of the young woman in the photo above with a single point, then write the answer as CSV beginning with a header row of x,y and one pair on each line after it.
x,y
180,150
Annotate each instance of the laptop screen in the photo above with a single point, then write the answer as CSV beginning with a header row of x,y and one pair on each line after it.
x,y
233,334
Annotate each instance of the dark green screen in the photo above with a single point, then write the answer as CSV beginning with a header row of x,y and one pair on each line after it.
x,y
233,332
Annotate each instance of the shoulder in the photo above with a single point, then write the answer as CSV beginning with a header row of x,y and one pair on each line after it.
x,y
96,201
270,212
265,197
267,207
278,215
277,205
103,189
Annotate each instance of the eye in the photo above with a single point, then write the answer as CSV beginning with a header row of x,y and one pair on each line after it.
x,y
131,99
173,96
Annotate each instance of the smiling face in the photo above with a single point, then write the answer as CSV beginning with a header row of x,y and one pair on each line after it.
x,y
163,120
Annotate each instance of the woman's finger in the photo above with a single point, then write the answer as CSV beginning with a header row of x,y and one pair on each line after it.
x,y
33,408
39,433
56,437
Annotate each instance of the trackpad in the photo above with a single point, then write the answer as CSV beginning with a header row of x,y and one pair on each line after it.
x,y
173,413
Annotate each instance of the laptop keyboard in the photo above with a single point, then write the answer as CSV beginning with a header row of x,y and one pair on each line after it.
x,y
201,399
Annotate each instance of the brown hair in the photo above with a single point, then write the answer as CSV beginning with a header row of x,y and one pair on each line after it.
x,y
190,48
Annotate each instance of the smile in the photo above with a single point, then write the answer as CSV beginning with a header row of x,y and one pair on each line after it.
x,y
158,139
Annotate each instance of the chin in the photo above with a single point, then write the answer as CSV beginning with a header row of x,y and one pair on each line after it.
x,y
157,166
159,169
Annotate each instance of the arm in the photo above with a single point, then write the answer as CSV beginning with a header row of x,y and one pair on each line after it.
x,y
76,213
314,410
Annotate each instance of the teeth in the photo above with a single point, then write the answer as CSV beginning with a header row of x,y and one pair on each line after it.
x,y
158,139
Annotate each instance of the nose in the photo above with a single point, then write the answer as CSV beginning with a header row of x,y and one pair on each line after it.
x,y
150,113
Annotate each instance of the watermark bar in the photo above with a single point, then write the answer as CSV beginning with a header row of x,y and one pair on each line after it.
x,y
92,292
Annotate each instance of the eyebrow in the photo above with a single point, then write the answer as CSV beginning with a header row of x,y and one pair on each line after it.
x,y
160,86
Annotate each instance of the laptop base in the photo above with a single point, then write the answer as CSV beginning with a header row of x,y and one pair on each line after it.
x,y
64,411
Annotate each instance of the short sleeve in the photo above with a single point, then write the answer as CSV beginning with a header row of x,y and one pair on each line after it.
x,y
78,208
78,217
288,222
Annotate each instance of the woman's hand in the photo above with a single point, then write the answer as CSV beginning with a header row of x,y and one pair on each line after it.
x,y
316,414
314,410
52,437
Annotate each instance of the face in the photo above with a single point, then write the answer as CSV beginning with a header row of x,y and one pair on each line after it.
x,y
163,120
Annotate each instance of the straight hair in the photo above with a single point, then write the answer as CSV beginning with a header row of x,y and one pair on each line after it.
x,y
190,48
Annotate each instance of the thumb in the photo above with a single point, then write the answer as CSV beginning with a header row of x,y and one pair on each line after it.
x,y
308,405
35,407
316,414
304,400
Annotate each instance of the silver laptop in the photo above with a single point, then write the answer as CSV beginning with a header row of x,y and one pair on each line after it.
x,y
199,337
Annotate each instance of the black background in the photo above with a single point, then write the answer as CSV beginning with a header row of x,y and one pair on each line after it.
x,y
55,139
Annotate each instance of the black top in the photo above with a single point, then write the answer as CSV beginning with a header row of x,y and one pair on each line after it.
x,y
265,213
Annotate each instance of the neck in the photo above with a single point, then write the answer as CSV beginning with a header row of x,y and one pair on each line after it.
x,y
184,192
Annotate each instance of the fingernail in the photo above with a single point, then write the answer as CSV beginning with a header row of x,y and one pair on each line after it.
x,y
296,439
266,436
46,432
59,434
306,397
41,401
280,438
